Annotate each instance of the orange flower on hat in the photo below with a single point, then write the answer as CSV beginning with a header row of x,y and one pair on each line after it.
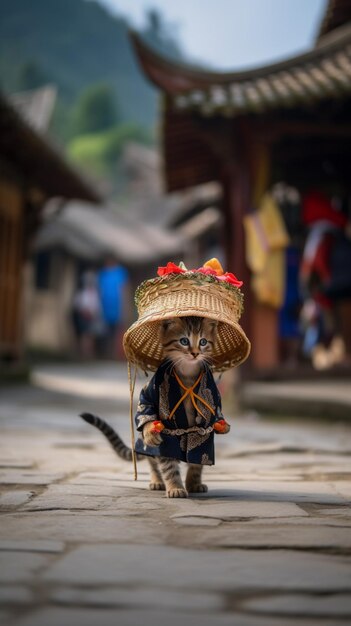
x,y
214,265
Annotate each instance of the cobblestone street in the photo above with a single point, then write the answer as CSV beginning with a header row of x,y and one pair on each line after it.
x,y
82,543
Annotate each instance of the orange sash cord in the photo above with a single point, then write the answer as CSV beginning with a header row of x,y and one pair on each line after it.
x,y
189,391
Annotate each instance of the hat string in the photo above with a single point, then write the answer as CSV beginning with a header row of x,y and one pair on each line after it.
x,y
131,380
189,391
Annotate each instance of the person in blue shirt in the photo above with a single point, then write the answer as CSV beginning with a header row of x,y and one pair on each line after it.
x,y
113,282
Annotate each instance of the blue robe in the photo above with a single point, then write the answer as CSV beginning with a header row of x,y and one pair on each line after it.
x,y
156,402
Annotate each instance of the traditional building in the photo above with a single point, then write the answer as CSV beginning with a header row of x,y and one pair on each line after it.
x,y
192,213
287,121
31,172
76,237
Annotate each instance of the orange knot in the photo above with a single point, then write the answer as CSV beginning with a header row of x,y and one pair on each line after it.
x,y
194,397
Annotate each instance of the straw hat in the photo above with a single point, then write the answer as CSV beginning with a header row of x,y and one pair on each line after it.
x,y
179,292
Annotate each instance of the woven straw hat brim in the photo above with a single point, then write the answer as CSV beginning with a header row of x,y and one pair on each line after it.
x,y
166,299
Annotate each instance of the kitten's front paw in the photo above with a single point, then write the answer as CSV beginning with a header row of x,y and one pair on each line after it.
x,y
151,438
197,488
157,486
176,493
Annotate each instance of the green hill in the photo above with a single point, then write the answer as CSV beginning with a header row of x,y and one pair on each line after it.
x,y
73,44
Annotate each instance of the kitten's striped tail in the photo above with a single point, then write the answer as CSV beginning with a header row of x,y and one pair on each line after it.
x,y
123,451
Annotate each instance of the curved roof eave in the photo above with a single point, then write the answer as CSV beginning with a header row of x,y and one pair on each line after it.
x,y
337,13
174,77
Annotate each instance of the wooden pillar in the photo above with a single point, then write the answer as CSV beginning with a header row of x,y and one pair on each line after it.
x,y
11,257
236,202
263,317
244,179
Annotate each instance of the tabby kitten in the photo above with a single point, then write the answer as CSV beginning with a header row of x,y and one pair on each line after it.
x,y
188,344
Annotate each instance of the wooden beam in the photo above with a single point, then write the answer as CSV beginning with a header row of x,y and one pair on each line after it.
x,y
273,130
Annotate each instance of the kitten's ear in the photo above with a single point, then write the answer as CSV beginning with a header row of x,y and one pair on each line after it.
x,y
212,324
166,324
211,327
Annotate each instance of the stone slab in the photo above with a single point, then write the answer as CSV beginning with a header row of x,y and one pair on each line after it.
x,y
315,522
112,478
138,598
105,617
90,497
14,498
342,511
17,595
32,546
188,520
70,526
203,569
5,618
68,489
28,478
335,605
276,491
343,488
234,510
18,567
329,469
68,502
15,463
279,536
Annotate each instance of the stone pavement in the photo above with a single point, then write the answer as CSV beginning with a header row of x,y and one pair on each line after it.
x,y
325,398
81,543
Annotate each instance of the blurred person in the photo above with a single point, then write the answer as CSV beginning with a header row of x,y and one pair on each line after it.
x,y
322,342
113,287
289,327
87,315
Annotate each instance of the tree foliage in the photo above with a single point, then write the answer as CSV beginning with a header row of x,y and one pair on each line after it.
x,y
95,111
31,76
100,152
76,44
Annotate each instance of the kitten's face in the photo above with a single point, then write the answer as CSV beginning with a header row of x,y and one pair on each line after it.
x,y
189,342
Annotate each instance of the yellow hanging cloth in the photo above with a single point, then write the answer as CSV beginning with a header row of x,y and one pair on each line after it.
x,y
266,240
272,223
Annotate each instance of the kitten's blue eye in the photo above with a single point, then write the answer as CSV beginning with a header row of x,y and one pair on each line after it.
x,y
184,341
203,342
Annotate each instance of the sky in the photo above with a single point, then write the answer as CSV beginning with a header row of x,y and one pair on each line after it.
x,y
233,34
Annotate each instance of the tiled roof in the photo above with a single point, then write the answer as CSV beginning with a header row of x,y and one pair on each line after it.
x,y
80,229
40,162
35,106
337,13
323,72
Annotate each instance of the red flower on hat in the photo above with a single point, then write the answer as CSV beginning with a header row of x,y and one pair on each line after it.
x,y
170,268
206,270
230,278
211,268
